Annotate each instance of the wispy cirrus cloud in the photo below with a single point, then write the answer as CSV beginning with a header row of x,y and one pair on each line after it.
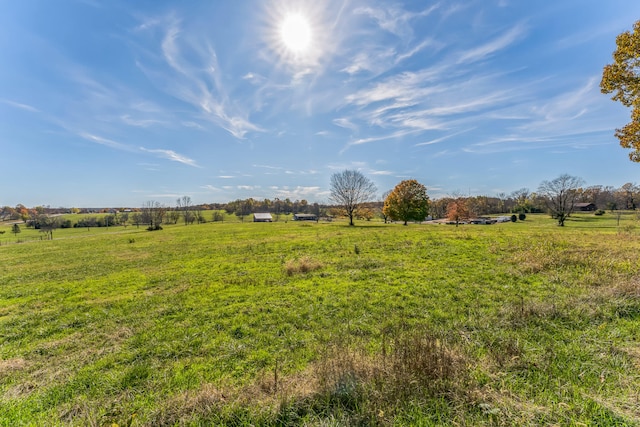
x,y
20,106
192,74
172,155
572,115
139,122
501,42
300,192
443,138
268,167
210,187
380,172
344,123
395,20
105,141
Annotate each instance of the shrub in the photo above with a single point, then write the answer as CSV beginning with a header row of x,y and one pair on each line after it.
x,y
218,216
522,216
514,218
599,212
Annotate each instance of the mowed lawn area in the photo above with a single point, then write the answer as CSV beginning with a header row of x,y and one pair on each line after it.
x,y
292,323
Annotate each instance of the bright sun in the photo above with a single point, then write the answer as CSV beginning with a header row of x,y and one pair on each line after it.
x,y
296,33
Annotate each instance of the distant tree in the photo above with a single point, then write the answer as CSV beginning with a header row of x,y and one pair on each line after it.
x,y
153,213
15,229
218,216
408,201
47,224
8,212
457,210
277,208
124,219
136,219
627,196
438,208
622,78
316,210
243,208
560,196
349,189
173,216
383,214
184,206
366,212
502,198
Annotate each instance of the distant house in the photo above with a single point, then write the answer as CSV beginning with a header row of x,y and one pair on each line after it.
x,y
262,217
304,217
585,207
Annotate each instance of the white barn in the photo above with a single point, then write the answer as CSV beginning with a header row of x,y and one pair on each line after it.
x,y
262,217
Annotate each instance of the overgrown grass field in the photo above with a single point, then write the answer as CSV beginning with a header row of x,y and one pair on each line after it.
x,y
294,323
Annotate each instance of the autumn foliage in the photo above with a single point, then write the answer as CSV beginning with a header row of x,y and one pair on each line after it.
x,y
457,210
408,201
622,78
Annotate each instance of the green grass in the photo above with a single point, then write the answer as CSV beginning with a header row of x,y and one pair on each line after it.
x,y
323,324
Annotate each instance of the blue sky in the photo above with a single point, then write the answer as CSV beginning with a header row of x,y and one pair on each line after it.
x,y
116,103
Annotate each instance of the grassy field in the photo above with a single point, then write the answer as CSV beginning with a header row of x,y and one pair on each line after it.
x,y
294,323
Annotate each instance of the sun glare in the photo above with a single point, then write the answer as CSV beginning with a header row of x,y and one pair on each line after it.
x,y
296,33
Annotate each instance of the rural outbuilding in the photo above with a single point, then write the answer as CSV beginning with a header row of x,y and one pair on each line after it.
x,y
262,217
304,217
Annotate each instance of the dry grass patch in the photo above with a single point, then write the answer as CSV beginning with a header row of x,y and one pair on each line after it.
x,y
626,289
190,404
347,382
11,365
302,265
504,408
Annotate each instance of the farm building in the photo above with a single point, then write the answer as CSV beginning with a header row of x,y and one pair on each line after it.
x,y
585,207
262,217
305,217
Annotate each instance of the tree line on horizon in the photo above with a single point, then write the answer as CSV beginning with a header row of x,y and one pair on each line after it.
x,y
369,206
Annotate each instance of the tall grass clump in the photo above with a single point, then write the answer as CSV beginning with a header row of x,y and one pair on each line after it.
x,y
301,265
355,386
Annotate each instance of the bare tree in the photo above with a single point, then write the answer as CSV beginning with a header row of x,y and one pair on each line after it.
x,y
349,189
153,213
184,205
560,196
47,224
